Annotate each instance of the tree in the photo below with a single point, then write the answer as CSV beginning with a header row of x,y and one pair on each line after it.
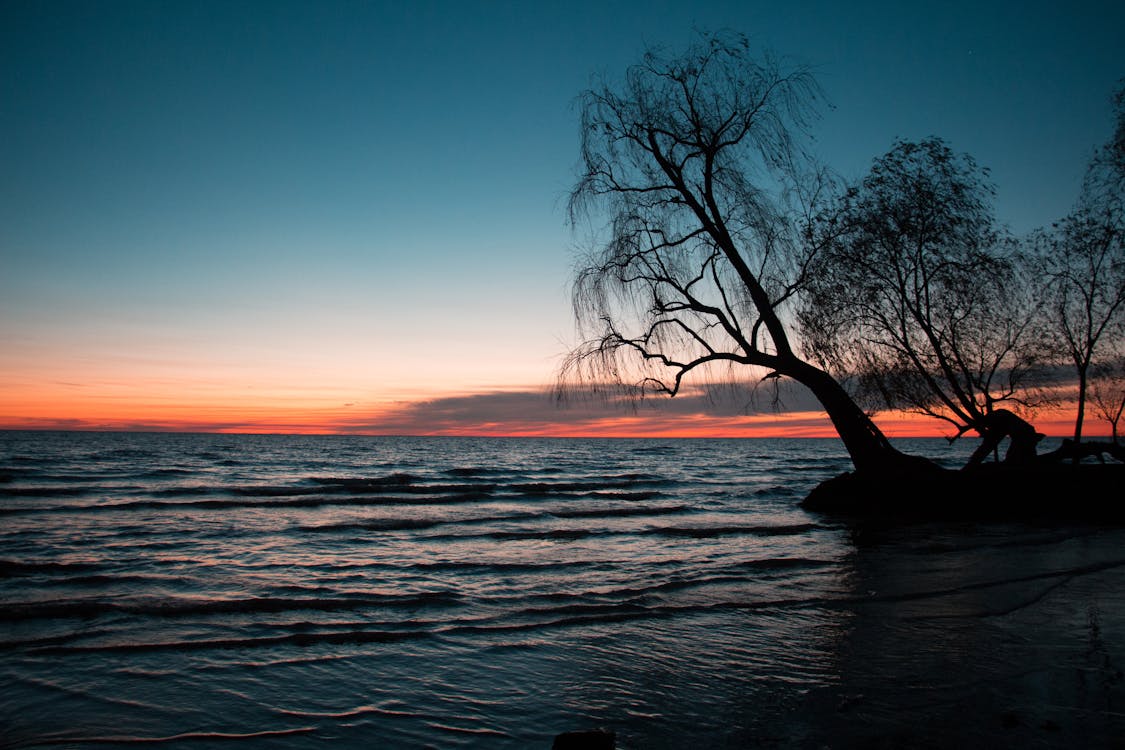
x,y
1086,290
1083,261
1107,393
697,166
918,296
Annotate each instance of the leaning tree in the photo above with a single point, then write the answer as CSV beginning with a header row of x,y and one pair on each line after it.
x,y
696,166
921,299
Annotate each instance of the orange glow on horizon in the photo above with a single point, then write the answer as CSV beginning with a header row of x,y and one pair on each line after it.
x,y
273,414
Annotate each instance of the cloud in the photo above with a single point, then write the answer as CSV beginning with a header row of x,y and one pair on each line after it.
x,y
710,409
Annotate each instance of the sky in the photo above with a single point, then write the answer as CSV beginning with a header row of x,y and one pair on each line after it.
x,y
350,216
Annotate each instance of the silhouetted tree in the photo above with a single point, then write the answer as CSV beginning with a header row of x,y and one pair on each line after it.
x,y
1083,262
1107,392
695,162
919,297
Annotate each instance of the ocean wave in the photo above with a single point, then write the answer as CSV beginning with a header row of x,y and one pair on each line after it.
x,y
85,608
71,491
777,490
211,455
188,491
167,472
354,713
471,731
584,614
13,473
414,524
662,510
610,608
475,471
710,532
298,497
53,640
654,450
408,485
122,453
315,491
20,458
13,568
673,584
508,567
609,616
595,485
385,524
633,597
786,563
130,739
303,639
525,619
530,534
350,484
305,501
692,532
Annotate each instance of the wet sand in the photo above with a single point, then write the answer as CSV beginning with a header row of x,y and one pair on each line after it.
x,y
978,636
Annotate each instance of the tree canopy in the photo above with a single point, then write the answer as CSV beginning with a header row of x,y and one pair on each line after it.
x,y
718,242
917,294
1082,258
696,164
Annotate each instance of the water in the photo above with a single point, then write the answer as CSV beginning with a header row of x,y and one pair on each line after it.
x,y
288,591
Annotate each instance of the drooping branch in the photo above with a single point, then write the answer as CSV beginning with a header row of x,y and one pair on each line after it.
x,y
694,169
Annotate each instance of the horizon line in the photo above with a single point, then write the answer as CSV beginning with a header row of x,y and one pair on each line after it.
x,y
149,430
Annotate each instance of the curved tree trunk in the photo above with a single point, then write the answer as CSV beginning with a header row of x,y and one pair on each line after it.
x,y
999,424
869,448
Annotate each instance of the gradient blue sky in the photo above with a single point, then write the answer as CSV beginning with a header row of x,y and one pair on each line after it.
x,y
345,204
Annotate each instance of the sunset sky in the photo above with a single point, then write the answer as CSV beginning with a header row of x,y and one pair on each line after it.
x,y
349,216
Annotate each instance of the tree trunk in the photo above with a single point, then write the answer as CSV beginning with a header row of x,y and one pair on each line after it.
x,y
1080,417
869,448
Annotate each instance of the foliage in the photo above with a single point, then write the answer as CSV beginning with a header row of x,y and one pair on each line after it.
x,y
1082,260
918,295
696,165
717,241
1107,391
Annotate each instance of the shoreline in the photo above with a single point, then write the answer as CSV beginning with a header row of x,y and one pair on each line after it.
x,y
990,492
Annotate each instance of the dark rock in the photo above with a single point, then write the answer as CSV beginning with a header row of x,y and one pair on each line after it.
x,y
990,492
1072,451
592,739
